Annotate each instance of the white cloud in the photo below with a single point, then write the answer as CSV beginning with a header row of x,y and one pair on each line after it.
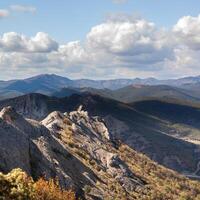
x,y
23,8
127,38
4,13
187,31
13,42
119,47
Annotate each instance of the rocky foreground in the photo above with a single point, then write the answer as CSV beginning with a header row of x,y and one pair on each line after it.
x,y
80,152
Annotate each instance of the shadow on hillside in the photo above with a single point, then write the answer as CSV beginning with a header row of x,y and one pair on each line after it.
x,y
174,113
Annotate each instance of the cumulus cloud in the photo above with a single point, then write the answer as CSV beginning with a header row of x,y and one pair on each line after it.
x,y
128,39
119,47
187,31
23,8
14,42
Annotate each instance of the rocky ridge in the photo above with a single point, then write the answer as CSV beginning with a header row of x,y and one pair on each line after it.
x,y
74,147
89,138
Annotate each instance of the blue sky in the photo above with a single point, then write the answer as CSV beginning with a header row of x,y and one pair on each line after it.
x,y
67,20
80,39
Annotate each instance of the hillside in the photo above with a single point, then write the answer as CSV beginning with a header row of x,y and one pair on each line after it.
x,y
42,84
133,93
139,130
182,117
52,84
79,150
140,92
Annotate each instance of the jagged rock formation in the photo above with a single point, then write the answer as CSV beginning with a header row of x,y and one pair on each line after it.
x,y
94,124
92,141
43,149
32,147
29,145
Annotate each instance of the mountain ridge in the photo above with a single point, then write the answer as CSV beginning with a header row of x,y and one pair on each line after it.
x,y
51,84
139,130
128,81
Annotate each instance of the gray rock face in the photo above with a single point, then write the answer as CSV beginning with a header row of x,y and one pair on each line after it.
x,y
94,136
95,125
121,172
38,148
29,145
14,148
33,106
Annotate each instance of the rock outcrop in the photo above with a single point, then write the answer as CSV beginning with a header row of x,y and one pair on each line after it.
x,y
14,144
45,149
94,140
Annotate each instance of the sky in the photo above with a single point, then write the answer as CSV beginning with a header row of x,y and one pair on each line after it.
x,y
103,39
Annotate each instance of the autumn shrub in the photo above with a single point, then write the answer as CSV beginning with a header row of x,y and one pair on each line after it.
x,y
17,185
50,190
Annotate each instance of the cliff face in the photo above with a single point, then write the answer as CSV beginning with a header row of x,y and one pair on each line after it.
x,y
30,146
14,144
46,149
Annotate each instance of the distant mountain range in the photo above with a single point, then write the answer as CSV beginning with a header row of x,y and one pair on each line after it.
x,y
125,90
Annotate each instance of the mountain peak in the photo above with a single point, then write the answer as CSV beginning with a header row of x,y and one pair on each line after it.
x,y
47,76
9,114
56,115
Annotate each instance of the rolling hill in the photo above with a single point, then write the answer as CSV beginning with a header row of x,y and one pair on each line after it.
x,y
140,92
133,93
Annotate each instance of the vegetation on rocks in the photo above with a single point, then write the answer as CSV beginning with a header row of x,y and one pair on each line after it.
x,y
17,185
162,183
